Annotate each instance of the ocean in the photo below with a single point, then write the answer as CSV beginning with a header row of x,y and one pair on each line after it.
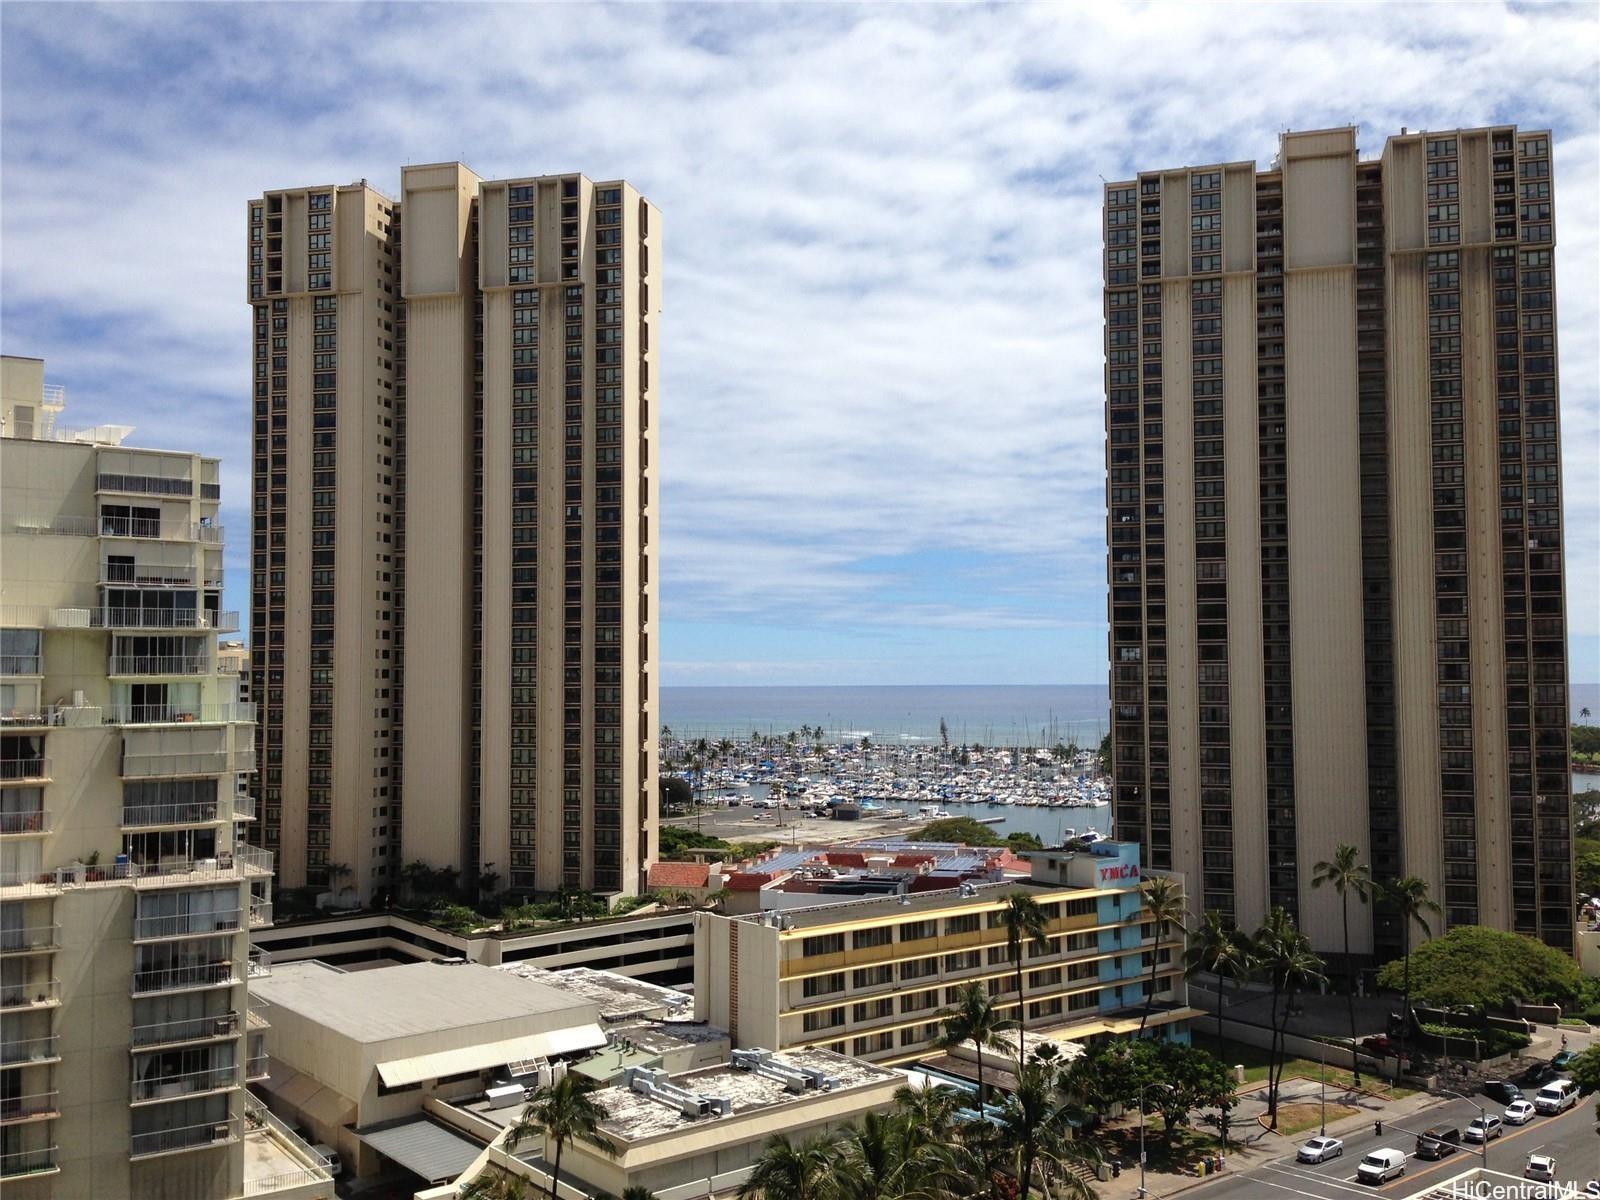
x,y
985,714
991,715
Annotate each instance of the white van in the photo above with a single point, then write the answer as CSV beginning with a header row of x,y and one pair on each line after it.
x,y
1380,1166
1556,1097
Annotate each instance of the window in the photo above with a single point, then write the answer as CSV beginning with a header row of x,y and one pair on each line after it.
x,y
822,985
865,939
827,943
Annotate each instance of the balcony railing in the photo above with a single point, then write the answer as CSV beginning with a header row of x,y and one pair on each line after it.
x,y
256,1014
152,575
190,1137
27,1162
147,527
169,1087
165,618
30,995
57,526
21,664
25,770
253,860
185,924
144,485
194,812
30,1107
158,664
190,1029
31,940
197,975
244,807
25,822
255,1068
22,1051
260,963
246,862
260,913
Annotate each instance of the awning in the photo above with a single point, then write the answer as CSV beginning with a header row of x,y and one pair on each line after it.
x,y
425,1148
401,1071
307,1096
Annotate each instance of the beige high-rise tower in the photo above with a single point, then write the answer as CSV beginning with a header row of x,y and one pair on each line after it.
x,y
514,636
127,890
1335,564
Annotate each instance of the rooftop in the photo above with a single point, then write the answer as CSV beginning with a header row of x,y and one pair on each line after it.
x,y
402,1001
635,1116
618,996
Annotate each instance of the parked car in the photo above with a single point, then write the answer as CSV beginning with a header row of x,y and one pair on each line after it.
x,y
1380,1166
1484,1129
1504,1091
1320,1149
1556,1097
1537,1074
1438,1140
1379,1045
1563,1060
1519,1112
330,1157
1540,1167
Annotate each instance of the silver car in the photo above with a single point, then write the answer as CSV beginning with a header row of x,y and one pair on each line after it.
x,y
1320,1149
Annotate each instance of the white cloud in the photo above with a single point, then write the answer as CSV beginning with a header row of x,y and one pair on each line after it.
x,y
882,234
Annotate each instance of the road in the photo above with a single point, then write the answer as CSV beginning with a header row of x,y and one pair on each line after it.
x,y
1570,1138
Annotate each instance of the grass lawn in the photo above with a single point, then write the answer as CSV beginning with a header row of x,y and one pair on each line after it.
x,y
1186,1148
1299,1117
1255,1060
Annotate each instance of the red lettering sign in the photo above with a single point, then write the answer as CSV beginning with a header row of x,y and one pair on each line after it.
x,y
1118,872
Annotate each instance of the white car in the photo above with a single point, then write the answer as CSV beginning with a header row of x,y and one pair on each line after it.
x,y
1320,1149
1380,1166
1541,1167
1484,1129
1519,1112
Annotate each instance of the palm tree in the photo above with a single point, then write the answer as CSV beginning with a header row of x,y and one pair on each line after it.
x,y
1024,922
881,1158
1285,954
561,1111
787,1171
930,1110
1163,908
1033,1121
493,1184
637,1191
1214,949
974,1019
1348,877
1412,903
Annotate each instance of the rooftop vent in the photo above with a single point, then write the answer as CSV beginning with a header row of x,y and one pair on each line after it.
x,y
793,1077
653,1083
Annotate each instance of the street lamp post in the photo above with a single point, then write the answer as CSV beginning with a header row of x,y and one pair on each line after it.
x,y
1483,1124
1143,1191
1322,1074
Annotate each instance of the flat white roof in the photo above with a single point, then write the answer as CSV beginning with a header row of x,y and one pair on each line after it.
x,y
412,999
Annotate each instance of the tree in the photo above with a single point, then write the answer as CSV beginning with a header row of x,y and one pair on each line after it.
x,y
1033,1122
1163,908
957,829
1024,922
1412,904
974,1019
1585,1070
561,1111
1345,874
1214,949
1586,873
1105,753
492,1183
676,792
788,1170
637,1191
1284,954
1492,968
1193,1077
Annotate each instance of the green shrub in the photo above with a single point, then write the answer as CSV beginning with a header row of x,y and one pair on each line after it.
x,y
1491,1042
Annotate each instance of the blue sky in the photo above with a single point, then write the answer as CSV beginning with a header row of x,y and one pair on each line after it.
x,y
882,399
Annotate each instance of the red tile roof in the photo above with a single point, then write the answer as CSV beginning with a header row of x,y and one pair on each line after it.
x,y
845,858
679,874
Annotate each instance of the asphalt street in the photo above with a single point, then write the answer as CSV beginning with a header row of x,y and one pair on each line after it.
x,y
1570,1138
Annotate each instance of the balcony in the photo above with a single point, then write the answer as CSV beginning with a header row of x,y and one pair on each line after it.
x,y
53,526
24,824
148,575
244,807
172,1087
25,1052
40,993
152,528
144,485
35,769
189,1029
158,664
37,1106
260,963
255,1068
21,664
36,939
154,929
256,1015
150,816
163,618
190,1137
17,1163
260,913
188,978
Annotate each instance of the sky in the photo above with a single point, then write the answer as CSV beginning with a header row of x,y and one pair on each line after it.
x,y
881,362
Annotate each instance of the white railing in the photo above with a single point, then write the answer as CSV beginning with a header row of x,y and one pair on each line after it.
x,y
245,862
253,859
260,963
147,575
158,664
167,1087
256,1014
260,913
167,979
27,1162
146,527
36,1104
144,485
255,1068
190,1029
244,807
25,822
33,937
24,616
185,924
194,812
179,714
24,995
190,1137
23,770
165,618
29,1050
21,664
259,1116
207,533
